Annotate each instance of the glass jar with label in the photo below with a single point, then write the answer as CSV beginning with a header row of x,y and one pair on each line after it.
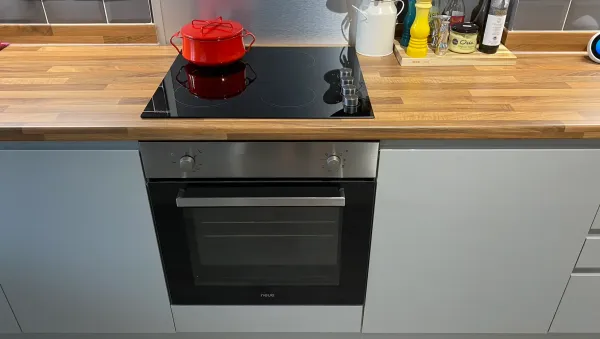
x,y
463,38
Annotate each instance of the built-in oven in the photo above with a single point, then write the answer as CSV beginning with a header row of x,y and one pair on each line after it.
x,y
263,223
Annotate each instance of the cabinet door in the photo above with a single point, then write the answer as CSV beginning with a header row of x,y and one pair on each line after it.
x,y
78,252
579,310
8,323
596,225
477,241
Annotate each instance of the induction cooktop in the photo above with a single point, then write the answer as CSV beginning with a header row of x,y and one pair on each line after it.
x,y
268,83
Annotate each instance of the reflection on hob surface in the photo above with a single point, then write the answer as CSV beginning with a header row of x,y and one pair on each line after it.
x,y
270,83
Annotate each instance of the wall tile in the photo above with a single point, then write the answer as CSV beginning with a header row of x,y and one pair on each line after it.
x,y
540,15
22,12
128,11
75,11
584,15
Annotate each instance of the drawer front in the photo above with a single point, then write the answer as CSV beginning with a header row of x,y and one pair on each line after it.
x,y
315,319
579,310
590,256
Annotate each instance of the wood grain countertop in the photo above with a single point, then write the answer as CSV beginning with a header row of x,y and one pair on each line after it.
x,y
98,93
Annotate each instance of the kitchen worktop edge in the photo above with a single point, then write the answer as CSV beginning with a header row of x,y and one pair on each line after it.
x,y
85,93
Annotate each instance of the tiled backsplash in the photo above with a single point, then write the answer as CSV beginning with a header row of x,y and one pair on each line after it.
x,y
527,14
74,11
584,15
539,15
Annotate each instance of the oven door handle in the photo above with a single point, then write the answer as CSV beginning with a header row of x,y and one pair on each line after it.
x,y
186,202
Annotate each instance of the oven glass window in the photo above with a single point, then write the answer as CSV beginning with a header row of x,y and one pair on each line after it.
x,y
264,246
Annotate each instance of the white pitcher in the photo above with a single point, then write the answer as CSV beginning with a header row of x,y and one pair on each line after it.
x,y
376,28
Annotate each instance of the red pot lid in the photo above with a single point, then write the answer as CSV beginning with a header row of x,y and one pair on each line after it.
x,y
216,29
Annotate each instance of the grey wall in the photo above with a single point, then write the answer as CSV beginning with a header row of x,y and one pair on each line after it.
x,y
276,21
74,11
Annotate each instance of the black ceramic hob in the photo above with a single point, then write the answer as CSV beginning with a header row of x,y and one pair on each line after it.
x,y
269,83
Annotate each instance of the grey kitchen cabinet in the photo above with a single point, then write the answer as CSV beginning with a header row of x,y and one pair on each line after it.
x,y
579,310
477,240
78,251
8,323
590,255
596,224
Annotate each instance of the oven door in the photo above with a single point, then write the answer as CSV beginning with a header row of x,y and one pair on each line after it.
x,y
254,243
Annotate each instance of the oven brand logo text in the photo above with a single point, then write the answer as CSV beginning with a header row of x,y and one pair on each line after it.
x,y
267,295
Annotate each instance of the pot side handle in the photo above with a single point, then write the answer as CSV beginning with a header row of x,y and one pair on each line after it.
x,y
250,80
176,35
247,33
182,83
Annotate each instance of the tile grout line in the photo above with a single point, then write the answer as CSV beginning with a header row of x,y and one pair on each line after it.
x,y
567,15
105,11
45,13
151,11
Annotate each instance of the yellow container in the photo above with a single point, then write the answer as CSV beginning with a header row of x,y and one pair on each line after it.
x,y
419,32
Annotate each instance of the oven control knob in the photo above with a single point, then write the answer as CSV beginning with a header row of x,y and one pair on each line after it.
x,y
187,163
334,162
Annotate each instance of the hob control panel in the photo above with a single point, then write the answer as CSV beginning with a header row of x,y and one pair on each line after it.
x,y
260,159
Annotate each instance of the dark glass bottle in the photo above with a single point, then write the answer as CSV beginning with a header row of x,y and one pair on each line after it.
x,y
479,16
491,32
409,19
477,9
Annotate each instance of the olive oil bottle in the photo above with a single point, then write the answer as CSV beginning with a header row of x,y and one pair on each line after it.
x,y
492,27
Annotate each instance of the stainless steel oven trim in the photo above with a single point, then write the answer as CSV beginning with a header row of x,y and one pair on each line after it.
x,y
259,160
187,202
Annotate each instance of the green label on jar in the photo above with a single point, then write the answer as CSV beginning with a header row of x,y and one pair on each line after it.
x,y
463,43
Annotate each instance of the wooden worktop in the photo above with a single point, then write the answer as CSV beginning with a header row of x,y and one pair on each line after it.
x,y
98,93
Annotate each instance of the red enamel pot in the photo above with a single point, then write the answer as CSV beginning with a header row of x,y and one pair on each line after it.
x,y
213,42
216,83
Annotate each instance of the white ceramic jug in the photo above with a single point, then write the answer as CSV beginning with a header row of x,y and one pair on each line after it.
x,y
376,28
